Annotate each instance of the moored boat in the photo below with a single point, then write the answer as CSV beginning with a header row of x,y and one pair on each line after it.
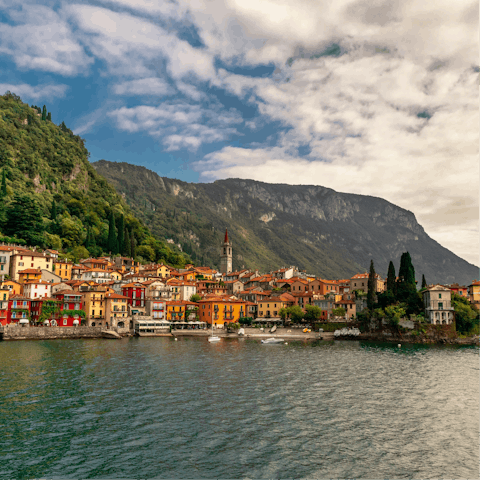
x,y
273,341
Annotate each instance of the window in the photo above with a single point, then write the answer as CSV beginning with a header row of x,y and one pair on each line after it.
x,y
439,295
64,321
440,305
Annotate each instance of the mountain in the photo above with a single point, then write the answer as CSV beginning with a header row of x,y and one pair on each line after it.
x,y
328,233
51,196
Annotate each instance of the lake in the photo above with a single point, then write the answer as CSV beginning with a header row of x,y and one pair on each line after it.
x,y
159,408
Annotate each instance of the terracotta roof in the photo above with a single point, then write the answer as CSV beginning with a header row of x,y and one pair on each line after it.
x,y
31,270
67,292
133,285
115,295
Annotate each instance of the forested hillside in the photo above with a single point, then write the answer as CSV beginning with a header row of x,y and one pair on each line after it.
x,y
51,196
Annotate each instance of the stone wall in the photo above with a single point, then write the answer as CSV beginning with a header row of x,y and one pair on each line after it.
x,y
16,332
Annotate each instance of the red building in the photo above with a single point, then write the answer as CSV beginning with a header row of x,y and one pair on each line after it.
x,y
70,306
37,308
3,309
18,308
135,292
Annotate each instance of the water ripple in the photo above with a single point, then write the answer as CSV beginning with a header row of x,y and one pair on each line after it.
x,y
156,408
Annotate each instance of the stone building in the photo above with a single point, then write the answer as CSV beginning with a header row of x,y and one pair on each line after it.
x,y
438,305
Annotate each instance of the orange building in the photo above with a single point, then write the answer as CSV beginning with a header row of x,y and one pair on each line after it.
x,y
177,309
220,311
29,274
63,269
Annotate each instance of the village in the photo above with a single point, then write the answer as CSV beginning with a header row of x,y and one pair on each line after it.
x,y
38,288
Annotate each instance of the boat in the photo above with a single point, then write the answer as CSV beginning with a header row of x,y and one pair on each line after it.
x,y
272,341
212,337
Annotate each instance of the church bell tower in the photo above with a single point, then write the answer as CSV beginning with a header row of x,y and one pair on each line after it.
x,y
226,255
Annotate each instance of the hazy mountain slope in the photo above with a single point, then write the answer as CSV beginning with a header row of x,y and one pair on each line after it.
x,y
328,233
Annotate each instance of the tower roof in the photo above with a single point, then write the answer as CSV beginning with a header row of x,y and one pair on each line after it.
x,y
226,236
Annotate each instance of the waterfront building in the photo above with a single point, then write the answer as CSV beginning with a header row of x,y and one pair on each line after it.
x,y
156,307
438,305
4,297
270,307
116,310
135,292
18,308
221,311
226,257
94,301
178,310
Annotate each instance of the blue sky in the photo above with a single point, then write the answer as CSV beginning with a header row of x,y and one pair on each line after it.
x,y
370,97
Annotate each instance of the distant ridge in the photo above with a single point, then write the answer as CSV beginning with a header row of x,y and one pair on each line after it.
x,y
328,233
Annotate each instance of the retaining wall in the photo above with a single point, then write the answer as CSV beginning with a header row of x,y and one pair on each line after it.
x,y
42,333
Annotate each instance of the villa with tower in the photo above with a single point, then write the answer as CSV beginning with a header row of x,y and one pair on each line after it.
x,y
226,255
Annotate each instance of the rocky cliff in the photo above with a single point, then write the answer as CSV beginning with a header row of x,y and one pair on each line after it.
x,y
328,233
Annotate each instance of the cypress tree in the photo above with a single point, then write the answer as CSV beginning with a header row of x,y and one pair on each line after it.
x,y
127,244
424,282
133,244
49,116
121,235
371,287
44,113
4,183
53,211
391,278
112,235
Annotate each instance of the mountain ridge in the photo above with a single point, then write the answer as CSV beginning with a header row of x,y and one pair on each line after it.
x,y
329,233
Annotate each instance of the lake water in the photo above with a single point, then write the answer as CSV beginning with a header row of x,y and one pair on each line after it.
x,y
159,408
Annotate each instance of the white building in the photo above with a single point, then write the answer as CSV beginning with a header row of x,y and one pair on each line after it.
x,y
37,289
97,275
438,305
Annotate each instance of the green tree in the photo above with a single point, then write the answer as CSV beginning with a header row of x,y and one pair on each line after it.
x,y
146,252
4,184
295,313
371,287
283,312
312,313
406,287
133,244
53,211
339,312
49,116
44,113
112,235
127,250
195,297
393,314
121,235
391,278
424,282
72,231
466,315
77,253
24,220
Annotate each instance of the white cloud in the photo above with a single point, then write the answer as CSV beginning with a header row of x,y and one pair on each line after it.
x,y
35,92
131,46
41,40
144,86
178,125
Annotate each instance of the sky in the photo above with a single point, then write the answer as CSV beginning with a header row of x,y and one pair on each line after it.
x,y
370,97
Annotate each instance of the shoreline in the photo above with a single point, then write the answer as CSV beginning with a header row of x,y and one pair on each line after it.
x,y
59,333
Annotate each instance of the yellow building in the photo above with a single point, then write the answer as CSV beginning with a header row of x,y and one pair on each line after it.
x,y
14,288
474,293
270,306
94,302
24,259
116,310
29,274
220,311
176,310
63,269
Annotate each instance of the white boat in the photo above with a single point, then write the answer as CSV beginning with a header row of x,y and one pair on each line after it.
x,y
273,341
212,337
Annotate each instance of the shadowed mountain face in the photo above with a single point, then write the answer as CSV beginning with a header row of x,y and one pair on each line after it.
x,y
327,233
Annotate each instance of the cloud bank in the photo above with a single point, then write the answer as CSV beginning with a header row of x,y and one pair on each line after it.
x,y
376,98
